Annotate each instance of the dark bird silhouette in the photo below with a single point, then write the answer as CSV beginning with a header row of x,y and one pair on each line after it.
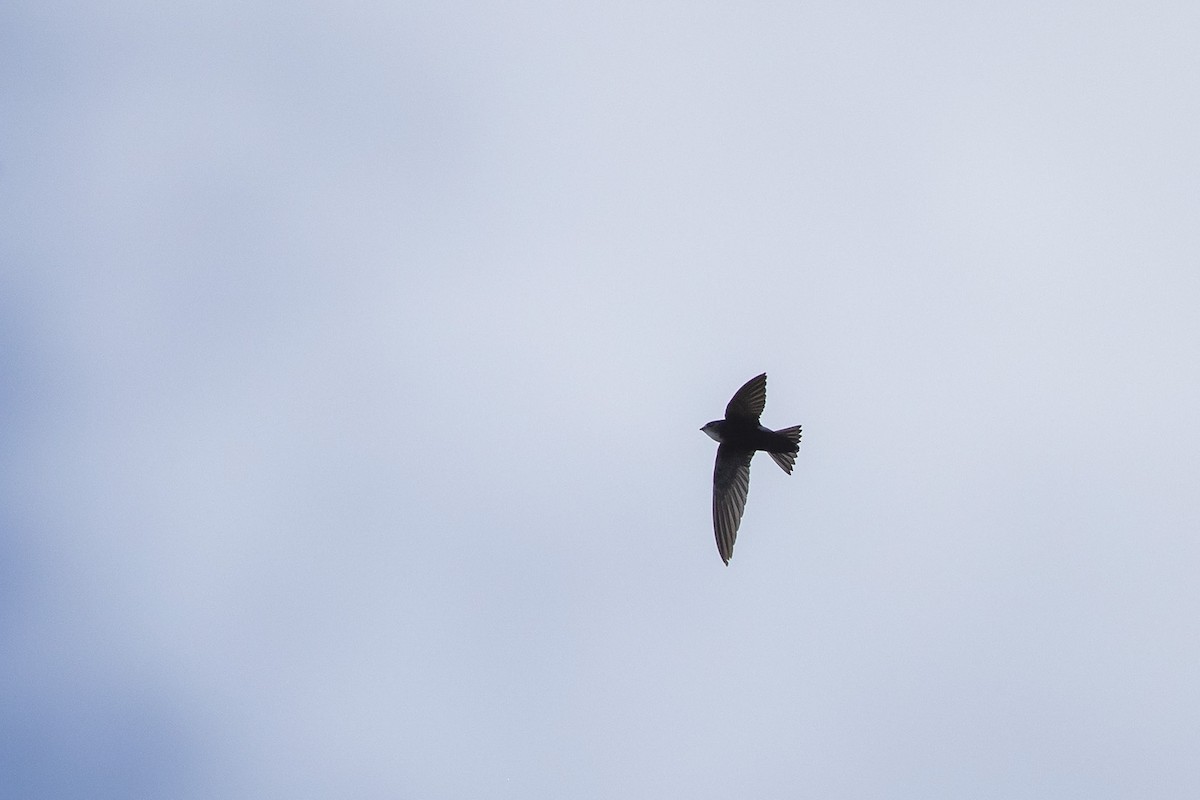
x,y
741,436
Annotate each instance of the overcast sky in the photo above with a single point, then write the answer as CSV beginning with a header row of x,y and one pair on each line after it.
x,y
353,358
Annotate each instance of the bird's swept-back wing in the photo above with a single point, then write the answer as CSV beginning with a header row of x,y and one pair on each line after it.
x,y
731,484
748,403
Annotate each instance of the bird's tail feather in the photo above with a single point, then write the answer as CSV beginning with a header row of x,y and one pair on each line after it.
x,y
788,460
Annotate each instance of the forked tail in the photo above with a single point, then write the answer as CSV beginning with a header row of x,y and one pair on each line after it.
x,y
788,460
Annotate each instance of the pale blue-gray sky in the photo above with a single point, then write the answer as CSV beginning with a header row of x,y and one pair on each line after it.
x,y
353,357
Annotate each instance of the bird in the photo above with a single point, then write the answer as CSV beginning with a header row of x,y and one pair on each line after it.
x,y
740,436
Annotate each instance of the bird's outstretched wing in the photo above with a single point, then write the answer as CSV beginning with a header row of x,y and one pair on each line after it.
x,y
731,484
748,403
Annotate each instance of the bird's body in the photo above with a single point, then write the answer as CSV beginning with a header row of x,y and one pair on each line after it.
x,y
749,437
741,435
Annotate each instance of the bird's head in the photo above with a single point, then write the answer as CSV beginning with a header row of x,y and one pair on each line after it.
x,y
713,429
